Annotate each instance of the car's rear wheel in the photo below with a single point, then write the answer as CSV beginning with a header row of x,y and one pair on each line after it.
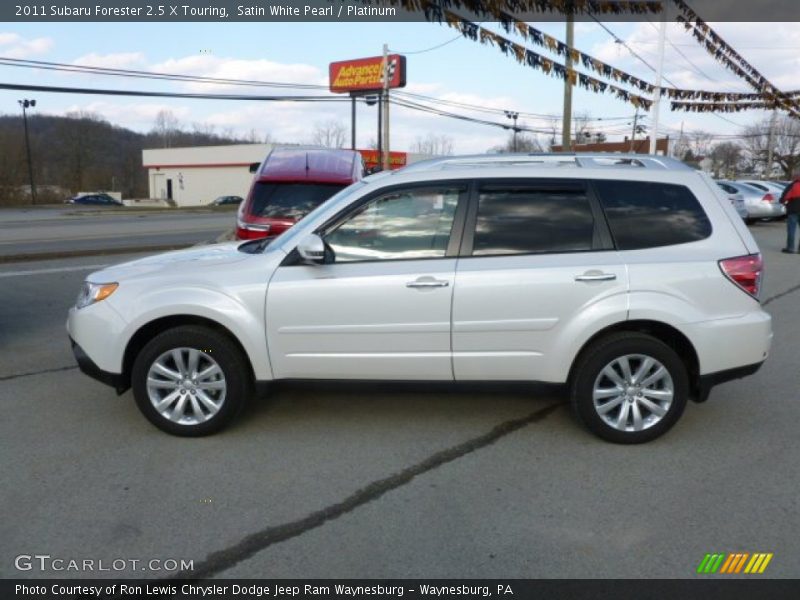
x,y
190,381
629,388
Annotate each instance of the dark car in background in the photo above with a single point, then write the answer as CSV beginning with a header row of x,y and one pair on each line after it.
x,y
227,201
290,183
94,200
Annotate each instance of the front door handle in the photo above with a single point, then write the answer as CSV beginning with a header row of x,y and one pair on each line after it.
x,y
427,283
596,277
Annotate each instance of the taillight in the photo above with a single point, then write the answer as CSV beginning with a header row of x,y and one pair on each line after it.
x,y
768,198
250,231
745,272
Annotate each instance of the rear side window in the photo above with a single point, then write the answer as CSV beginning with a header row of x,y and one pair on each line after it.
x,y
531,220
282,200
648,215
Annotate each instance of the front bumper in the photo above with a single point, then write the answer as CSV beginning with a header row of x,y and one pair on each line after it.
x,y
88,367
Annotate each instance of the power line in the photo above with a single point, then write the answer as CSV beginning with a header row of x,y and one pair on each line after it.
x,y
132,73
436,47
106,92
182,78
618,40
686,58
436,111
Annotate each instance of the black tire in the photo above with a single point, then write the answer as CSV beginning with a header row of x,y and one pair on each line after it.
x,y
588,369
226,354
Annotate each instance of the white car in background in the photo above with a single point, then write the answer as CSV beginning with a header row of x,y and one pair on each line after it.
x,y
630,279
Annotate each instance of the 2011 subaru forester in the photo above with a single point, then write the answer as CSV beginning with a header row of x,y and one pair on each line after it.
x,y
629,278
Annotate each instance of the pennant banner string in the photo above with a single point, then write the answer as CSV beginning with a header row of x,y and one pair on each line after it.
x,y
732,60
534,60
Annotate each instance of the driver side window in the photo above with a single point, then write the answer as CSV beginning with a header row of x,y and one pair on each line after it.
x,y
405,224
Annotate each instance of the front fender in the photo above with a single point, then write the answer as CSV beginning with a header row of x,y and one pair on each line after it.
x,y
241,315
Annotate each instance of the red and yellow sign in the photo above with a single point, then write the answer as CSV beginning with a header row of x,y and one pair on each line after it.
x,y
366,74
396,159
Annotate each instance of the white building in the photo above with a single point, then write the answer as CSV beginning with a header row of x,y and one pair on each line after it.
x,y
198,175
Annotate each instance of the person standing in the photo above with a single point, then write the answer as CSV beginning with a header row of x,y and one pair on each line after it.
x,y
791,199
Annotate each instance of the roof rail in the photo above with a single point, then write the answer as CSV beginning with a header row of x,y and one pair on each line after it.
x,y
594,160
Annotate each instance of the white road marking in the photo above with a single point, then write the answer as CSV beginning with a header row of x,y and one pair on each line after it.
x,y
52,270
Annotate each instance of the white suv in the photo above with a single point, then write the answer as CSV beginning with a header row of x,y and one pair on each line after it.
x,y
631,279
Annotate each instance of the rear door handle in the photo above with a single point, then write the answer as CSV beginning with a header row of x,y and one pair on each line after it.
x,y
427,283
596,277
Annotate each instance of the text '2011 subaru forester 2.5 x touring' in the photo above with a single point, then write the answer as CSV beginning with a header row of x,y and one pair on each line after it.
x,y
630,279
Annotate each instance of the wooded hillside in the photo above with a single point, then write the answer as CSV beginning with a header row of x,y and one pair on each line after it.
x,y
83,152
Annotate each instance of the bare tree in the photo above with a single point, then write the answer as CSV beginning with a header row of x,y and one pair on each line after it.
x,y
785,144
203,129
166,126
80,138
331,134
525,143
252,136
433,145
681,149
700,143
726,159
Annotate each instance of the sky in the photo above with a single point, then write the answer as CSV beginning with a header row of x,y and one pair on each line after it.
x,y
440,62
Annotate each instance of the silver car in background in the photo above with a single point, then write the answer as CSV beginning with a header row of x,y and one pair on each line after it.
x,y
759,204
765,186
737,201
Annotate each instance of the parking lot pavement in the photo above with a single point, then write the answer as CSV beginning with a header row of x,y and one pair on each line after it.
x,y
389,481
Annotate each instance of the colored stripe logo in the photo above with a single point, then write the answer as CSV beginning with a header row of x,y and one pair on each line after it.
x,y
734,563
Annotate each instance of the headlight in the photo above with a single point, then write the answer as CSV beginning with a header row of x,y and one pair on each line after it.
x,y
94,292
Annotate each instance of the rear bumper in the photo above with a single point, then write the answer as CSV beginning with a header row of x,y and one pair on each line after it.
x,y
724,345
88,367
707,382
765,210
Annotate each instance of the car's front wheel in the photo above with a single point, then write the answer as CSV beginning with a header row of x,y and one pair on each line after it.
x,y
190,381
629,388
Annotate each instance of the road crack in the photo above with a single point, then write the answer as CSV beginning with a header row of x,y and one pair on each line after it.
x,y
772,299
252,544
32,373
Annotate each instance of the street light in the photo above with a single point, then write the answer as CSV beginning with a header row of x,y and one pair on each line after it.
x,y
513,116
25,104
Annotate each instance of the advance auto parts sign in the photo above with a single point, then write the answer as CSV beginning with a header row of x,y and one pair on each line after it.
x,y
366,74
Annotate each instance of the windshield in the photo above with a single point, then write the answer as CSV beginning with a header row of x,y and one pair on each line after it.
x,y
281,200
289,234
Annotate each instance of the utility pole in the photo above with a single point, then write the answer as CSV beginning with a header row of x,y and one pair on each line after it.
x,y
25,104
662,38
352,122
566,121
771,144
633,133
380,129
513,116
386,161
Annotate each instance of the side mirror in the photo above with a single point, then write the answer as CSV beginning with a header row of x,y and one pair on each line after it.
x,y
312,249
254,167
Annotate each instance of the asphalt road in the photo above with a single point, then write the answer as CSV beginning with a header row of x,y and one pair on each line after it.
x,y
89,229
388,481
